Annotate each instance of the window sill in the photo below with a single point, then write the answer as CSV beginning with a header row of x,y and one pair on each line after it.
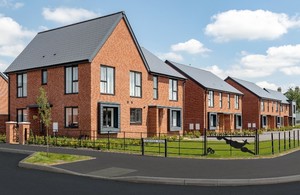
x,y
107,94
136,96
135,123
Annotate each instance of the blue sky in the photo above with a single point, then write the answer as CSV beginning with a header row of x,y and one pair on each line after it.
x,y
255,40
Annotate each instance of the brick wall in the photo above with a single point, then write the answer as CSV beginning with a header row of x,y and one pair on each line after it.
x,y
250,103
121,44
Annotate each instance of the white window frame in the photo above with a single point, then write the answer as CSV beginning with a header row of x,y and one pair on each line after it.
x,y
135,84
173,89
220,100
236,102
107,84
211,99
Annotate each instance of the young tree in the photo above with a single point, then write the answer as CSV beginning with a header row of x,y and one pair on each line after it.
x,y
44,111
294,94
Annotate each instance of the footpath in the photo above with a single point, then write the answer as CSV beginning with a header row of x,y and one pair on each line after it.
x,y
176,171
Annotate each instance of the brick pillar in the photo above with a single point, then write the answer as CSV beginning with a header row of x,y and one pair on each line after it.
x,y
10,125
24,128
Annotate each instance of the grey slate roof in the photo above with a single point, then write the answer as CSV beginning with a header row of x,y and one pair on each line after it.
x,y
156,65
72,43
278,95
205,78
254,89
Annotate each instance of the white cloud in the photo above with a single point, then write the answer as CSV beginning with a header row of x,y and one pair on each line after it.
x,y
170,56
249,25
217,71
267,85
13,37
64,15
191,46
11,4
3,66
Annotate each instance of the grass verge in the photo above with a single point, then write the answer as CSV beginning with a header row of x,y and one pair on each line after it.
x,y
41,158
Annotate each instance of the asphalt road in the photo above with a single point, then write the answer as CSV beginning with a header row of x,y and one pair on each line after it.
x,y
15,180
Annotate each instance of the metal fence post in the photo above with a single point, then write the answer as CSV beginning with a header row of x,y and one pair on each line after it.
x,y
284,141
179,145
124,141
205,142
108,141
272,143
143,147
289,139
298,136
294,139
279,142
166,148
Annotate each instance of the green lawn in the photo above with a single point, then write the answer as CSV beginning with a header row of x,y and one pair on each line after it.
x,y
53,158
176,148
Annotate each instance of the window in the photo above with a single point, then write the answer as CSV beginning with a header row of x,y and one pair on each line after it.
x,y
220,100
263,121
175,119
155,87
212,121
210,99
135,84
268,105
22,85
109,117
238,121
228,101
173,89
135,116
281,108
44,77
107,77
71,117
236,97
71,79
294,109
22,115
262,106
276,106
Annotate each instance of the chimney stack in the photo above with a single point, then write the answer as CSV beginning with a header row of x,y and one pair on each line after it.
x,y
279,89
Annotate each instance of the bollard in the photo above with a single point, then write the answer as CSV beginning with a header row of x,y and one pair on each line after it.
x,y
143,147
272,143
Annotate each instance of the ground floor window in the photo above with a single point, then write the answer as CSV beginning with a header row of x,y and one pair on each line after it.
x,y
175,119
135,116
71,117
109,118
264,121
238,121
22,115
212,119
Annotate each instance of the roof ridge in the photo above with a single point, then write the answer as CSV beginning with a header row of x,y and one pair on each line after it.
x,y
191,67
73,24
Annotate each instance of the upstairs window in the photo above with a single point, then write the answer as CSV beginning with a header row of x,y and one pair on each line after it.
x,y
220,100
173,89
262,106
22,85
107,77
71,80
228,101
276,106
237,102
210,99
135,84
155,87
44,77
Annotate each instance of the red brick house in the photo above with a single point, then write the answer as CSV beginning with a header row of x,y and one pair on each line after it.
x,y
209,102
4,101
284,118
259,106
98,81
